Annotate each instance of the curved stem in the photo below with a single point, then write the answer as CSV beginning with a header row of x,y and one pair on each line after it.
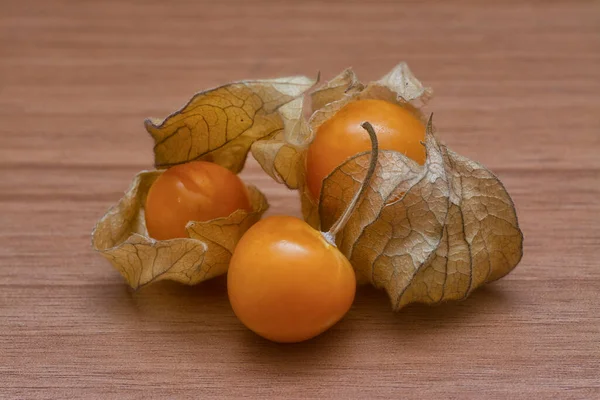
x,y
341,222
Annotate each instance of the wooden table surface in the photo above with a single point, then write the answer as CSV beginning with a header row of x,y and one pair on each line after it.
x,y
517,87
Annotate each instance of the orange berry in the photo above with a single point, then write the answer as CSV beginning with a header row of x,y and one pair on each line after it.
x,y
342,137
196,191
286,282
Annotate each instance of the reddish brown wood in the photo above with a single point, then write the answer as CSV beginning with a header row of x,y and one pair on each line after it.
x,y
517,88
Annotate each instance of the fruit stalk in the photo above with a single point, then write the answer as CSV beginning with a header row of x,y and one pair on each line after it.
x,y
341,222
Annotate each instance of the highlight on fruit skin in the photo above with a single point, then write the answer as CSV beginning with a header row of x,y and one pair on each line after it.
x,y
426,232
287,281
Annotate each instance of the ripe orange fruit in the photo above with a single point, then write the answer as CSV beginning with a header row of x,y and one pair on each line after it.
x,y
286,282
342,136
195,191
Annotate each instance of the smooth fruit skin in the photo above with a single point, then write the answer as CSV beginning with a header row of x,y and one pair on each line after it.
x,y
342,136
286,282
196,191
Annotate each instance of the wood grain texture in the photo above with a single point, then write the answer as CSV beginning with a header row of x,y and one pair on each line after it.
x,y
517,88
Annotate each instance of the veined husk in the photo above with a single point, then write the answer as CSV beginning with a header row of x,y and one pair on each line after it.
x,y
425,234
217,125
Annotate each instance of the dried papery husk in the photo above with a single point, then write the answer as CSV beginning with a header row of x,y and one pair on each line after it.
x,y
221,124
426,233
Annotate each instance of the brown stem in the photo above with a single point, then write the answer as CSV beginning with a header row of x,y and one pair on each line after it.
x,y
341,222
